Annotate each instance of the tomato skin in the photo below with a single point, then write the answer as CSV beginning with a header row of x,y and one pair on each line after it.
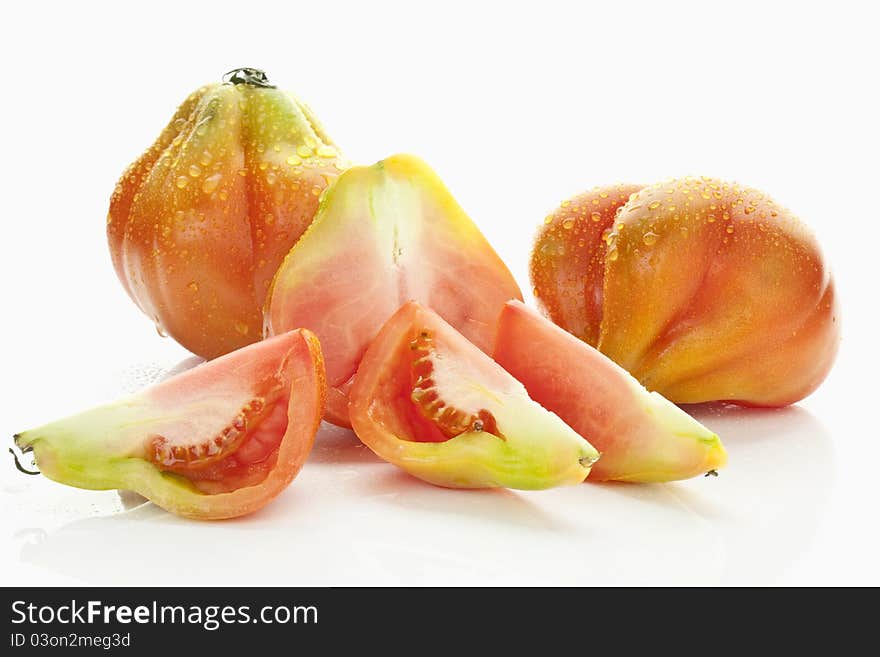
x,y
567,262
710,291
642,437
112,446
198,225
386,234
534,449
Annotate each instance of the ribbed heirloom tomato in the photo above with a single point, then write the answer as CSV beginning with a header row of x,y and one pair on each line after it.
x,y
703,289
199,224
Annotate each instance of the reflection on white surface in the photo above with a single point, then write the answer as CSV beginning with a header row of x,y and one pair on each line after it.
x,y
349,518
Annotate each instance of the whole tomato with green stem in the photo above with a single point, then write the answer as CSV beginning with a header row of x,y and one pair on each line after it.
x,y
199,224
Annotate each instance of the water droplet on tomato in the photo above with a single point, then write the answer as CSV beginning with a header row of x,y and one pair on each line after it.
x,y
612,254
568,224
293,160
649,238
241,327
181,182
596,216
303,151
194,171
210,183
193,286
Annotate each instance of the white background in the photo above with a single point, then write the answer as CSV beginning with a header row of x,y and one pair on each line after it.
x,y
517,107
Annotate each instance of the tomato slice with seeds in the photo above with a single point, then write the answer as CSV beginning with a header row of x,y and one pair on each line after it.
x,y
431,402
218,441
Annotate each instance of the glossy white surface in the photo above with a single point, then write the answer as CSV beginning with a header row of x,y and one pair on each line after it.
x,y
515,120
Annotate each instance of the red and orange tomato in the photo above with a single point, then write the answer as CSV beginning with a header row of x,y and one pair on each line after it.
x,y
703,289
200,222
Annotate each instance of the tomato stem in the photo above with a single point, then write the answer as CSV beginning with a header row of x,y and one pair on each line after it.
x,y
253,77
18,464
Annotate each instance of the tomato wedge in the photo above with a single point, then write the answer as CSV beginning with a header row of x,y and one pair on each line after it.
x,y
384,235
429,401
218,441
642,436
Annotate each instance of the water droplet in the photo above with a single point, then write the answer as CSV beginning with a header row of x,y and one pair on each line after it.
x,y
654,205
326,151
194,287
271,178
276,148
596,216
211,182
303,151
612,254
205,159
565,204
222,194
560,249
711,218
242,172
241,327
181,182
316,191
548,219
603,194
568,224
749,209
293,160
729,229
269,219
650,238
705,194
263,165
194,171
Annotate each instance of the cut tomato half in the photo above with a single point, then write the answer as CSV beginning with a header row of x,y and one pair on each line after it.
x,y
384,235
642,436
218,441
431,402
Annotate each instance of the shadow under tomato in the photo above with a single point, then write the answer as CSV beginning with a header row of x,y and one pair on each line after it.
x,y
765,505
